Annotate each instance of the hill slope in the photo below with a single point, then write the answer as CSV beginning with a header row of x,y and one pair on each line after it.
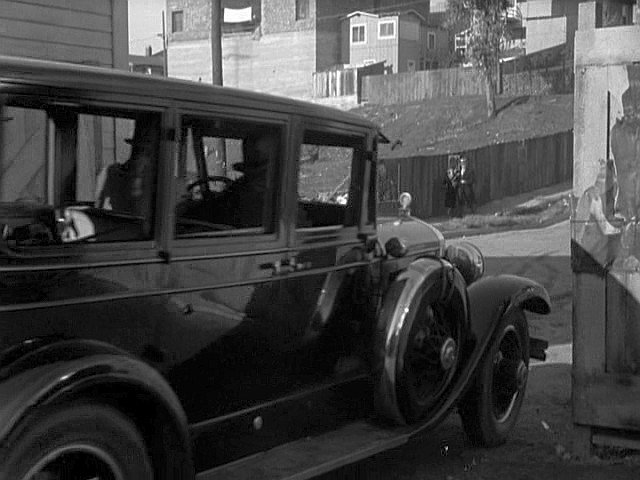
x,y
456,124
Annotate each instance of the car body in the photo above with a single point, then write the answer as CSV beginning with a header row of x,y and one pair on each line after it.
x,y
203,268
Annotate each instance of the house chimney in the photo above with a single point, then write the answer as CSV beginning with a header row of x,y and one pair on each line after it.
x,y
148,51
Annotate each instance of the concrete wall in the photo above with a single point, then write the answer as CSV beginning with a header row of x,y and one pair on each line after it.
x,y
76,31
554,22
545,33
250,63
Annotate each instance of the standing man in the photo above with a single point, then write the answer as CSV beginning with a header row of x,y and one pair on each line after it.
x,y
450,184
467,179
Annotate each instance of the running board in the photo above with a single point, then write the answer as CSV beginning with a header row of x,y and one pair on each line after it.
x,y
310,457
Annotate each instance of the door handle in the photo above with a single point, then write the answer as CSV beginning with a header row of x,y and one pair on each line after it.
x,y
286,265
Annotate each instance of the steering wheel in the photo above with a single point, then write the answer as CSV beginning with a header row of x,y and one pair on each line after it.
x,y
211,178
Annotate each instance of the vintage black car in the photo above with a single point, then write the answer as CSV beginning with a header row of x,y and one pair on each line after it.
x,y
191,275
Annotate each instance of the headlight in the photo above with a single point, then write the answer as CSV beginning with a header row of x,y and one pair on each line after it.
x,y
467,258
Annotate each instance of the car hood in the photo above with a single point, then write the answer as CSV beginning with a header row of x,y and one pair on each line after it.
x,y
417,235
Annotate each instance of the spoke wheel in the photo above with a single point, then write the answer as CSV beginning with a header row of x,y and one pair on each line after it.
x,y
79,442
490,410
429,360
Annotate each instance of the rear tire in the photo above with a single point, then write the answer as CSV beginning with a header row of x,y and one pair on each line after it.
x,y
490,409
84,440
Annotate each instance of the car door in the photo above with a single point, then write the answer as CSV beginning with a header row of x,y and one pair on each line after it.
x,y
230,340
328,271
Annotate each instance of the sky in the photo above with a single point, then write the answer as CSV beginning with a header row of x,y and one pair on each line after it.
x,y
145,23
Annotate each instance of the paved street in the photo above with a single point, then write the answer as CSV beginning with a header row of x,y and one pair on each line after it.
x,y
553,241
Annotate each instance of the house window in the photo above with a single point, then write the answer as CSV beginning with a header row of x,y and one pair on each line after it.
x,y
387,29
302,9
358,34
431,41
177,21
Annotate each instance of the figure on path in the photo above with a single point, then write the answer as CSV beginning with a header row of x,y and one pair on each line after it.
x,y
466,195
450,185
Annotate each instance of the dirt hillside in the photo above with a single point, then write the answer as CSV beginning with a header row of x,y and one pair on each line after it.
x,y
455,124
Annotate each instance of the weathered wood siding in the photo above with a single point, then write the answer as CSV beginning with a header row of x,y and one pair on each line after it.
x,y
606,277
501,170
77,31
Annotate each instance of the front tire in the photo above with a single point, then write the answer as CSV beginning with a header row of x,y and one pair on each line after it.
x,y
429,359
490,409
79,441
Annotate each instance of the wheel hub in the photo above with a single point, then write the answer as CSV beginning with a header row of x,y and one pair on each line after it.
x,y
522,373
448,354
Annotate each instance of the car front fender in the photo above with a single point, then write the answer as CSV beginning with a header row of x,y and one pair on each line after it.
x,y
68,369
430,279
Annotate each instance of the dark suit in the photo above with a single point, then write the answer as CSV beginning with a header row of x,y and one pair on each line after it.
x,y
466,194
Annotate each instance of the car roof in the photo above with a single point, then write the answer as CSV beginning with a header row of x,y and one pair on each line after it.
x,y
98,79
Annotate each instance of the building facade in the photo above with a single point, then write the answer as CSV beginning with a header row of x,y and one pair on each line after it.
x,y
76,31
150,63
272,46
550,23
398,39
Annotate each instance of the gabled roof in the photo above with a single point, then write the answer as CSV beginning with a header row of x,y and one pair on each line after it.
x,y
385,14
357,13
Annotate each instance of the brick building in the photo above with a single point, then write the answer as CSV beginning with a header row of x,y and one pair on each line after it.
x,y
268,45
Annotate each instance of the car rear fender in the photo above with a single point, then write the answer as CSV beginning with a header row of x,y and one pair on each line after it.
x,y
491,297
433,279
65,370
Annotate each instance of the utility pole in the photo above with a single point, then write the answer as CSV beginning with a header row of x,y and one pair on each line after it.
x,y
216,42
219,145
165,44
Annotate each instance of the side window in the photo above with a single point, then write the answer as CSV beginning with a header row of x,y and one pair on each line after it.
x,y
76,174
226,176
326,191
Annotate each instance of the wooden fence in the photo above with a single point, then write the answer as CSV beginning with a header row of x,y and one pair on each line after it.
x,y
344,82
335,83
411,87
501,170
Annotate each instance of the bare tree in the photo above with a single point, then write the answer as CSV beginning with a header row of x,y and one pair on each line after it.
x,y
486,22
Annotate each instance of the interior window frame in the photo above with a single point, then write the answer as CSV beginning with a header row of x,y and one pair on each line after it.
x,y
356,184
119,252
226,243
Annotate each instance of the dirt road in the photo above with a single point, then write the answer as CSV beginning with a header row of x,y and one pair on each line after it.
x,y
540,446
